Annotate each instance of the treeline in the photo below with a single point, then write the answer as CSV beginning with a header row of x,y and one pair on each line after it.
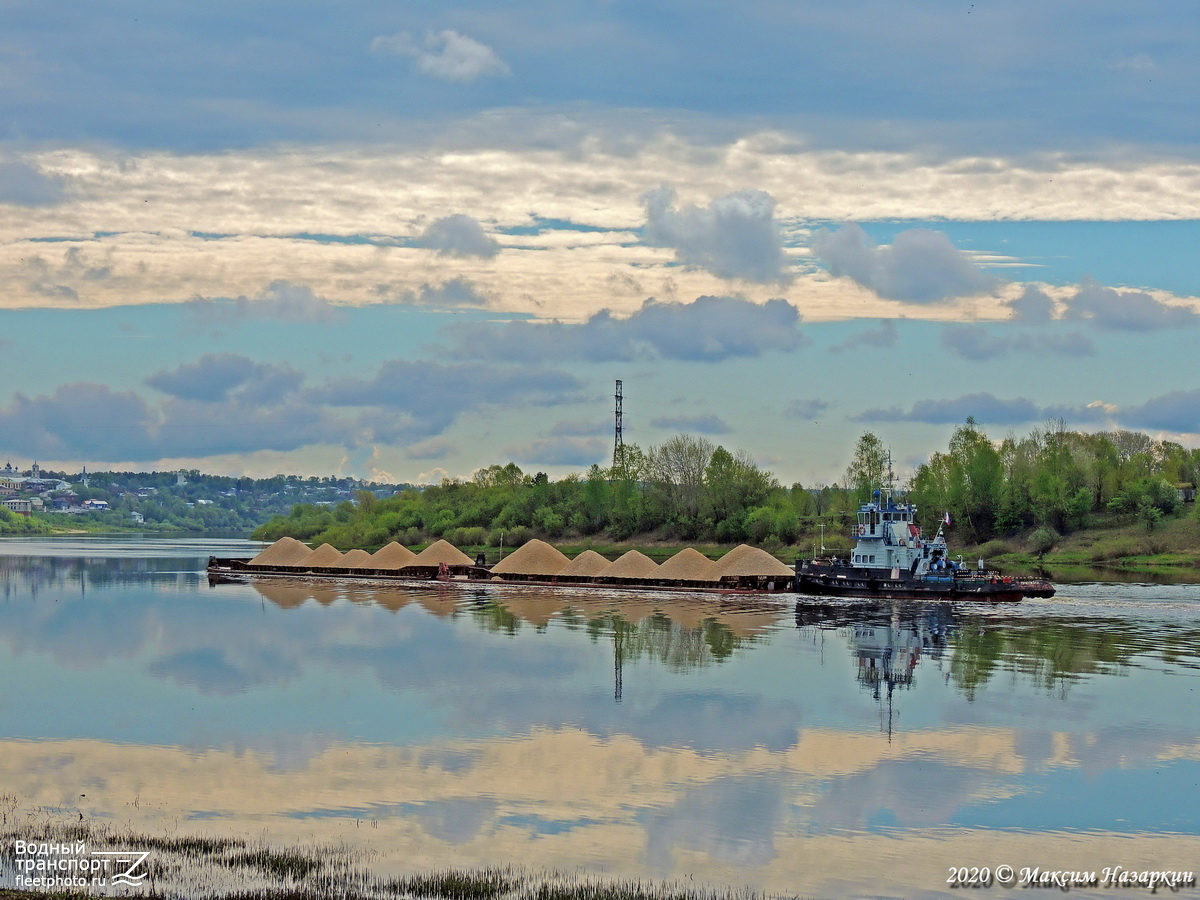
x,y
1053,480
688,489
685,488
13,523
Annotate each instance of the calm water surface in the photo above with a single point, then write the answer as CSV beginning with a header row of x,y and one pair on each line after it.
x,y
797,745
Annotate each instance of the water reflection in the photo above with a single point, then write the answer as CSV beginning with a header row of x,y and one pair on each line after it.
x,y
771,744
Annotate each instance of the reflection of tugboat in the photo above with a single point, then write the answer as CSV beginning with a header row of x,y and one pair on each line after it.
x,y
891,559
888,641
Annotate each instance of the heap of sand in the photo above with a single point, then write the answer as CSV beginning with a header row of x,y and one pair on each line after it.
x,y
586,565
632,564
287,551
324,557
437,553
747,562
357,559
688,564
534,558
392,556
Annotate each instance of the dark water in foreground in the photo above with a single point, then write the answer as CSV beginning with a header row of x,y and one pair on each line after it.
x,y
794,745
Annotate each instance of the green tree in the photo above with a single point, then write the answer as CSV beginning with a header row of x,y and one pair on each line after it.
x,y
868,469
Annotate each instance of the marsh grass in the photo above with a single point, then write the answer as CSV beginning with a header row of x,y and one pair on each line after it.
x,y
199,867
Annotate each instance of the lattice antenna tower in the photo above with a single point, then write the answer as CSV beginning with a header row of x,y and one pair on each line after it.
x,y
618,439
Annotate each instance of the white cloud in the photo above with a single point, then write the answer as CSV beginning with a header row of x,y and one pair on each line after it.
x,y
1126,310
458,235
445,54
706,424
979,342
919,266
22,184
281,300
885,335
161,227
736,236
561,451
708,329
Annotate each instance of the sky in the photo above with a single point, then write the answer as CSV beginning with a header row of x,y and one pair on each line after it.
x,y
402,241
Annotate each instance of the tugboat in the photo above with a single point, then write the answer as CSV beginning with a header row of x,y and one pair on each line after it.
x,y
891,559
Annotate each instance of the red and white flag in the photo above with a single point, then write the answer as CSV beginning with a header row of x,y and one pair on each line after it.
x,y
946,517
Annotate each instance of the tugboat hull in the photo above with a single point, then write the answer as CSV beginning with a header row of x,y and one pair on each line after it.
x,y
849,581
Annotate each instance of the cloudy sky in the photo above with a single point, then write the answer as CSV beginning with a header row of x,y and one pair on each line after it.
x,y
402,240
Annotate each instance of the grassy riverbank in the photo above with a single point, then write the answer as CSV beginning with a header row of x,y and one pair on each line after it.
x,y
1170,550
227,868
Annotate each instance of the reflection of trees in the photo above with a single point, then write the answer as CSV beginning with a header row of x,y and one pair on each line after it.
x,y
680,648
1050,653
494,617
33,573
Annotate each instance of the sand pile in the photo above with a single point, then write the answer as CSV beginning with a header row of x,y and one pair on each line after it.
x,y
440,552
357,559
534,558
747,562
586,565
324,557
286,551
392,556
688,564
630,565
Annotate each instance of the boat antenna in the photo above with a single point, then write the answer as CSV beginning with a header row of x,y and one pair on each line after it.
x,y
889,483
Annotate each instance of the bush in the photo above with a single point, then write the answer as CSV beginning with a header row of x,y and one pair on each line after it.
x,y
513,537
1044,540
995,548
472,536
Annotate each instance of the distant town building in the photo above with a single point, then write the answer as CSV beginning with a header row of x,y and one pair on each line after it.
x,y
95,504
19,506
137,517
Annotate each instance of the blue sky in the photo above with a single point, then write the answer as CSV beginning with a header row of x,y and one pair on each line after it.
x,y
403,240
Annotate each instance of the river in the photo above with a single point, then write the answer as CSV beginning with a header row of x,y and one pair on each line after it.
x,y
796,746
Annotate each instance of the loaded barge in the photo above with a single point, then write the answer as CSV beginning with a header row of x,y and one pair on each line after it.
x,y
742,570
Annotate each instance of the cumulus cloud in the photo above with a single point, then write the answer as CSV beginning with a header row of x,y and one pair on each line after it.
x,y
432,448
1034,306
445,54
456,292
805,409
986,408
920,266
979,342
22,184
561,451
429,396
736,236
458,235
1178,411
709,329
84,416
886,335
1125,310
581,428
281,300
215,375
710,424
86,420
